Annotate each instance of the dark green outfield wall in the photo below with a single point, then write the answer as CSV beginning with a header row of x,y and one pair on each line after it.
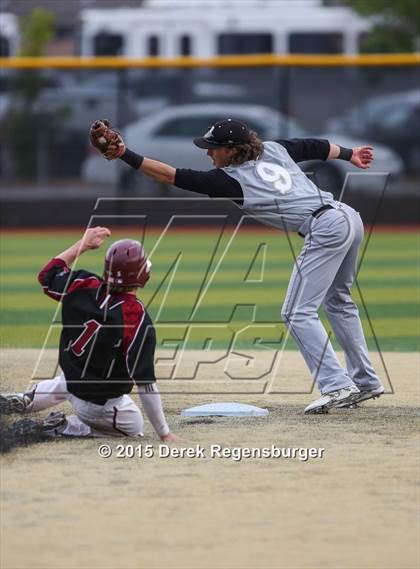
x,y
60,211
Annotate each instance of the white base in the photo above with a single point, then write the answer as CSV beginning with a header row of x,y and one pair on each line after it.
x,y
224,410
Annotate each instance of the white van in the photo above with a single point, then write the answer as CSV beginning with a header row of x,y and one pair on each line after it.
x,y
206,28
9,35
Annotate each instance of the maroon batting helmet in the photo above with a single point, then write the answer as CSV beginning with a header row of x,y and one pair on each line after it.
x,y
126,264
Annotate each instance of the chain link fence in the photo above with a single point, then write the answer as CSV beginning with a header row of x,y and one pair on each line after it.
x,y
46,110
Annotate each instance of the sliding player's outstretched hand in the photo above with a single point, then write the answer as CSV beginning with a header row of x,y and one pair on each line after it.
x,y
362,156
171,438
108,141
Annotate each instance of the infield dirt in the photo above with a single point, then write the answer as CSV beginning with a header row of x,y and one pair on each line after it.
x,y
65,507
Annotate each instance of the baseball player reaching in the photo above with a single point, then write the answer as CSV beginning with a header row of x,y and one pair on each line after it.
x,y
107,346
264,180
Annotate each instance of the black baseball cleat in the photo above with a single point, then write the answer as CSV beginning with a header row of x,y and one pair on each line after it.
x,y
54,424
15,402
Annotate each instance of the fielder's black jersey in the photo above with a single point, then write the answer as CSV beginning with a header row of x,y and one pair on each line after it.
x,y
108,341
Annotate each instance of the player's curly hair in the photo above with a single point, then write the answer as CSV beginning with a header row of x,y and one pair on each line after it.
x,y
249,151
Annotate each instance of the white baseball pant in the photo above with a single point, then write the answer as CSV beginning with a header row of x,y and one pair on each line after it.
x,y
323,275
119,416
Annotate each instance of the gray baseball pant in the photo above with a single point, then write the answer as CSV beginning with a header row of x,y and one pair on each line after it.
x,y
323,275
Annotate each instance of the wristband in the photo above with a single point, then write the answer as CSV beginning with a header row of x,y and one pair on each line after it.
x,y
345,153
132,159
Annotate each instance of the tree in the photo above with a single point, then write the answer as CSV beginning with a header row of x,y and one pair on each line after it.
x,y
397,25
37,31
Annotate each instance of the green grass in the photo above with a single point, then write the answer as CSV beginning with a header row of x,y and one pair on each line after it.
x,y
208,290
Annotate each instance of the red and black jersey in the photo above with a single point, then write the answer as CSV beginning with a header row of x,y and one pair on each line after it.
x,y
108,341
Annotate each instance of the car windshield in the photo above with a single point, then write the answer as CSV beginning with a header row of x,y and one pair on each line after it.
x,y
378,110
267,126
282,127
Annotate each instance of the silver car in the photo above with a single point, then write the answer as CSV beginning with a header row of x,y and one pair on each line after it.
x,y
167,134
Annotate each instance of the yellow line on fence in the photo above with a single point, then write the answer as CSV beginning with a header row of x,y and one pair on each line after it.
x,y
220,61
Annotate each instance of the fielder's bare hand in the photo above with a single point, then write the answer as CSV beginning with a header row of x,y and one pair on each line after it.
x,y
362,156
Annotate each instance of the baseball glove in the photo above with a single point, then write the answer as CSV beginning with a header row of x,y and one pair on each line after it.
x,y
108,141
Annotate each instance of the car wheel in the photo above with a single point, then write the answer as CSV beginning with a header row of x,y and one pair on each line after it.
x,y
328,179
132,183
413,160
127,183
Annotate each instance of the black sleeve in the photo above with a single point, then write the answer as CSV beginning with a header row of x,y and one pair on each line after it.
x,y
214,183
301,149
57,279
141,352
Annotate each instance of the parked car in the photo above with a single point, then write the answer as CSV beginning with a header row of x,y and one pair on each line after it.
x,y
393,120
153,89
11,85
167,135
81,105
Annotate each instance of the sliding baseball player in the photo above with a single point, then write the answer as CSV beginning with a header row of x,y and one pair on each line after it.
x,y
107,347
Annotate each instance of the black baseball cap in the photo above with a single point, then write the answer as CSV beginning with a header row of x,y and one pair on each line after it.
x,y
224,133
